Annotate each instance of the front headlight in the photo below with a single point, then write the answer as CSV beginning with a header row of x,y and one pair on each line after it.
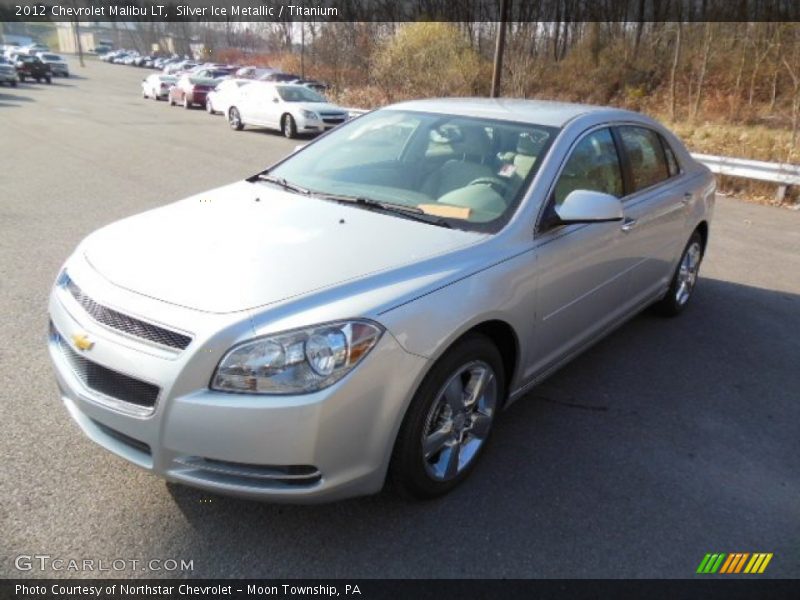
x,y
296,362
308,114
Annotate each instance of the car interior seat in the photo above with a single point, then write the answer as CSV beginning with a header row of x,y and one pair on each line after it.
x,y
474,148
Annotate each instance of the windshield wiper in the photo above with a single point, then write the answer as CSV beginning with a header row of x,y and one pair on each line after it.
x,y
410,212
287,185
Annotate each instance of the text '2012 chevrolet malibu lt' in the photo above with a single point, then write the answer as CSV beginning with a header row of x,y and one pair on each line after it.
x,y
363,309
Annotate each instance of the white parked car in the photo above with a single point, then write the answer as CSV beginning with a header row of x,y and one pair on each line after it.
x,y
220,99
292,109
58,65
366,307
157,86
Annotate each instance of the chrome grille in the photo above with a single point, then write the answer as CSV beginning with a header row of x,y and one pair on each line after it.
x,y
130,325
107,381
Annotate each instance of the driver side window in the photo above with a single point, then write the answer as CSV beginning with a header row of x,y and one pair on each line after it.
x,y
593,165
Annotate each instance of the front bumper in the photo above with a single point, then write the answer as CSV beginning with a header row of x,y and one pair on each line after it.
x,y
305,125
317,447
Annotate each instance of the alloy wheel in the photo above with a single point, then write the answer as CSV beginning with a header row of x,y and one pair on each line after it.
x,y
687,273
459,421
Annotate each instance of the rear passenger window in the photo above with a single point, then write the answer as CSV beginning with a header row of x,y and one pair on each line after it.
x,y
646,155
593,165
672,162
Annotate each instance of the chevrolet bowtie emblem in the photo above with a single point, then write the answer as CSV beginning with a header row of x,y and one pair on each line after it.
x,y
82,341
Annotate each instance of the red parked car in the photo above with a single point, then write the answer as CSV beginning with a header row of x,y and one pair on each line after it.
x,y
190,91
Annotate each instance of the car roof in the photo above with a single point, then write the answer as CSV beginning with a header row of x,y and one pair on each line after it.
x,y
539,112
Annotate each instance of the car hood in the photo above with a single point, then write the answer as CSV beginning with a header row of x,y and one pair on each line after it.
x,y
318,107
252,244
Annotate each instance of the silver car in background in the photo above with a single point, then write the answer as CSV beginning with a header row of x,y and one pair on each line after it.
x,y
362,310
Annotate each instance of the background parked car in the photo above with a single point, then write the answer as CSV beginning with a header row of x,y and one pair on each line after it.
x,y
219,100
253,72
34,49
177,67
290,108
8,74
214,72
190,91
278,77
57,64
157,86
31,67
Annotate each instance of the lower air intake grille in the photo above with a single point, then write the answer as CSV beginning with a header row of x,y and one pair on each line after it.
x,y
108,382
130,325
121,437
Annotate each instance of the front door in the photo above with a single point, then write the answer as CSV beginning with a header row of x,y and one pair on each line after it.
x,y
582,268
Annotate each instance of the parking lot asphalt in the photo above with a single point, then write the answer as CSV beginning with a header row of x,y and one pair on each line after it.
x,y
667,440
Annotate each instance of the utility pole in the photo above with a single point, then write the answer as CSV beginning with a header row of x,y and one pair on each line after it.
x,y
303,49
78,42
499,48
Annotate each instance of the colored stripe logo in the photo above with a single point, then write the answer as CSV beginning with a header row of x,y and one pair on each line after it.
x,y
736,562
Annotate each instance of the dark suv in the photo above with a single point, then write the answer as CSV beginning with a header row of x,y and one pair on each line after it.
x,y
32,67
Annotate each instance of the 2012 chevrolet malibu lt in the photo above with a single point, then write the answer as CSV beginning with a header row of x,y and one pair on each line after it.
x,y
363,309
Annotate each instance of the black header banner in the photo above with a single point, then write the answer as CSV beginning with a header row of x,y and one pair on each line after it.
x,y
400,10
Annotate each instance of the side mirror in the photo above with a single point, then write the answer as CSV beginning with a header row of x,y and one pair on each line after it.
x,y
586,206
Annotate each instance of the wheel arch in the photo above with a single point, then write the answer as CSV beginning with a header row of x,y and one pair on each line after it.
x,y
702,229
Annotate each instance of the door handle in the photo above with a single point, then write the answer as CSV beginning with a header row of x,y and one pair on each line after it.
x,y
687,197
628,224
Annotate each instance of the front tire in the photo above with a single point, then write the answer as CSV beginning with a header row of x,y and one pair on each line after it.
x,y
684,280
235,119
288,126
449,420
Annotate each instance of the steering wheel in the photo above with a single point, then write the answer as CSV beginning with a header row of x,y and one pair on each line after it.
x,y
498,185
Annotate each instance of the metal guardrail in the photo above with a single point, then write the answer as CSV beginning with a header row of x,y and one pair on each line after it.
x,y
782,174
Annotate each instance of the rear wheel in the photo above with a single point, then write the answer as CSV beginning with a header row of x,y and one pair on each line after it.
x,y
684,280
235,119
449,419
288,126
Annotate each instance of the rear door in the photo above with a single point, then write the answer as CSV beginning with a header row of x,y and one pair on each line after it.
x,y
655,209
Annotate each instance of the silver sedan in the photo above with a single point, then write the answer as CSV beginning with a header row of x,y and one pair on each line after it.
x,y
362,310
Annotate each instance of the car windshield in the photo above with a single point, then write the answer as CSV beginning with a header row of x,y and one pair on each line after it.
x,y
298,93
470,172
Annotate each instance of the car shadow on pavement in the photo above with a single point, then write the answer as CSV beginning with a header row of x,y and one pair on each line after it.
x,y
13,100
646,436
